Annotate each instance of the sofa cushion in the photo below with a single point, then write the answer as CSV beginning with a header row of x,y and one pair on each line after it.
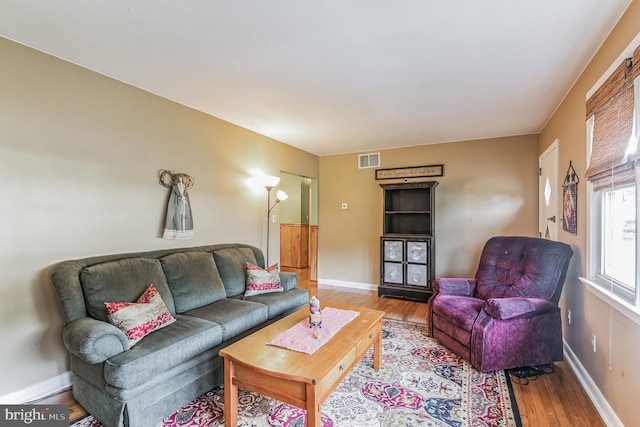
x,y
281,302
138,319
288,280
177,343
231,265
193,279
122,280
261,280
233,315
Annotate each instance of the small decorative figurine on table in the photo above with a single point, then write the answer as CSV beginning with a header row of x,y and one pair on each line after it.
x,y
315,315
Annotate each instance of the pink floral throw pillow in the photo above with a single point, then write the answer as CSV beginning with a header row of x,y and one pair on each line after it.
x,y
261,281
138,319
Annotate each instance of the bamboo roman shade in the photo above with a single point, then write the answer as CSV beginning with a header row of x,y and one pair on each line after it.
x,y
612,108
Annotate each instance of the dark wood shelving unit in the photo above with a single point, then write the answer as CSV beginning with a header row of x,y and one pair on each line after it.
x,y
407,245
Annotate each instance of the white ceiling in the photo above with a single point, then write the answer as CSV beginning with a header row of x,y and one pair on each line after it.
x,y
335,76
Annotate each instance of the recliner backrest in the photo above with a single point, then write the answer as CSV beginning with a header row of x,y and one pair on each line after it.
x,y
515,266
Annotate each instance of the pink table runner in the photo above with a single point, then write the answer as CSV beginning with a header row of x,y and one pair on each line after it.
x,y
301,337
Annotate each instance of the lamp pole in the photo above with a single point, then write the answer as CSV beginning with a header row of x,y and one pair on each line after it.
x,y
270,182
269,188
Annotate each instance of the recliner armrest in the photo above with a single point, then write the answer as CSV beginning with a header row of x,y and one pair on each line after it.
x,y
455,286
509,308
93,340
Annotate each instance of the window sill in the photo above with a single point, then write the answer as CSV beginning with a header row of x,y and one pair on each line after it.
x,y
626,309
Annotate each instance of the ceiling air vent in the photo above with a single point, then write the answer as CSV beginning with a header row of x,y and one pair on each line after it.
x,y
371,160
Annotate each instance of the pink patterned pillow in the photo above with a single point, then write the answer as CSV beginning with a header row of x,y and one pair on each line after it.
x,y
138,319
261,281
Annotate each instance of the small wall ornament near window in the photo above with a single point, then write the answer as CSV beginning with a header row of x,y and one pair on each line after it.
x,y
179,221
570,201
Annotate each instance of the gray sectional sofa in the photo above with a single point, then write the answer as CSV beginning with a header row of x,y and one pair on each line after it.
x,y
203,288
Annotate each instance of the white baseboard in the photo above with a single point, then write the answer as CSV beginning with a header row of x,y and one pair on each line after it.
x,y
607,413
38,390
345,284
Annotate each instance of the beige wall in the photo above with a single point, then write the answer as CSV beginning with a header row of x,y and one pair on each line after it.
x,y
618,339
489,187
79,156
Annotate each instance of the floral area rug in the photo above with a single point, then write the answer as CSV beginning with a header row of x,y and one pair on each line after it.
x,y
421,383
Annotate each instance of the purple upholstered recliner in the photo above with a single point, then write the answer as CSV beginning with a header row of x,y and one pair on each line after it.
x,y
508,315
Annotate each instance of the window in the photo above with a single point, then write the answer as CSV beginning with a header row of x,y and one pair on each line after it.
x,y
613,126
617,266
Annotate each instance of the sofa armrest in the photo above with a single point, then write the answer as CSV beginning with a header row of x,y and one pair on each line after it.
x,y
94,341
509,308
289,280
455,286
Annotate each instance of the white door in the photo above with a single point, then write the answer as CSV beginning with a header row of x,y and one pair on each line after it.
x,y
548,193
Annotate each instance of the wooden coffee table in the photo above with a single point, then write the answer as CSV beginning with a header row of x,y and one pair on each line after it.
x,y
299,379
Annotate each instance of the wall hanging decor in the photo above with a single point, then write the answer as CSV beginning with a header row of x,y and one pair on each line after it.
x,y
410,172
179,221
570,201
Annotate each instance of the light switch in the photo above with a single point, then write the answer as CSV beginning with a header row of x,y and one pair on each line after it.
x,y
274,219
345,206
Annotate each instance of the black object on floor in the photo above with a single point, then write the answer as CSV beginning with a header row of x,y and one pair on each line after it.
x,y
524,374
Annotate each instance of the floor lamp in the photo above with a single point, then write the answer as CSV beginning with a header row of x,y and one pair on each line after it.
x,y
270,182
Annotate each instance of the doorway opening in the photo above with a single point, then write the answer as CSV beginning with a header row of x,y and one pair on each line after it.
x,y
299,227
548,193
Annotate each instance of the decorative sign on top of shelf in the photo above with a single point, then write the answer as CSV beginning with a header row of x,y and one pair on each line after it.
x,y
410,172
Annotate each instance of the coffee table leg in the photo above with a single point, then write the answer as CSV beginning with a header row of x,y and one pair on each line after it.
x,y
377,350
313,407
230,395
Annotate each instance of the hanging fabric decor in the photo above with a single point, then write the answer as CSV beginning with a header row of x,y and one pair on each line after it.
x,y
179,221
570,201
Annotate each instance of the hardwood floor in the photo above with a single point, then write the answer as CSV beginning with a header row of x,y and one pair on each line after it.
x,y
552,400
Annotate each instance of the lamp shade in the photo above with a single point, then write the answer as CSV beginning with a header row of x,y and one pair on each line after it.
x,y
270,181
281,195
